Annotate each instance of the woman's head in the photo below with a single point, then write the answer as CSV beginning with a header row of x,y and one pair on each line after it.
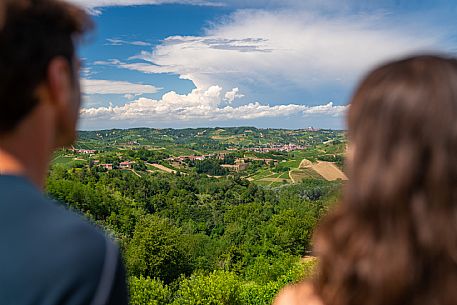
x,y
403,126
399,211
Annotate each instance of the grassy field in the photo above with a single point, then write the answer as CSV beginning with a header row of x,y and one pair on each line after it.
x,y
292,163
306,173
284,175
60,158
263,173
181,151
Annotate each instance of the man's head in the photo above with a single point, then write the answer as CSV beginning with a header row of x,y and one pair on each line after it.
x,y
38,64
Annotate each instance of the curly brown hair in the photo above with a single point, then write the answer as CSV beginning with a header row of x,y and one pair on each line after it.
x,y
393,238
32,33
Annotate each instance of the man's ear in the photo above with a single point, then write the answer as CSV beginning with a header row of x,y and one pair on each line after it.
x,y
64,99
59,82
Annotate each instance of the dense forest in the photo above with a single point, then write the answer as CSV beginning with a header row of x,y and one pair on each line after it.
x,y
194,239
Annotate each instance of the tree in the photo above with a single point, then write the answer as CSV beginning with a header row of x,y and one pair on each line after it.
x,y
147,291
210,167
155,251
217,288
140,166
293,230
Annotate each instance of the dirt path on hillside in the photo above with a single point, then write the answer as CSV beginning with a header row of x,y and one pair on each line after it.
x,y
305,163
291,177
133,171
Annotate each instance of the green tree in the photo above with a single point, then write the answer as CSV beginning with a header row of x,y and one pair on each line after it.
x,y
217,288
155,251
147,291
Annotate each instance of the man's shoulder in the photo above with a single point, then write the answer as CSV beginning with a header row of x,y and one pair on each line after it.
x,y
47,244
28,215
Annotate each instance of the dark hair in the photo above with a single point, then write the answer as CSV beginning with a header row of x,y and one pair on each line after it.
x,y
32,33
393,238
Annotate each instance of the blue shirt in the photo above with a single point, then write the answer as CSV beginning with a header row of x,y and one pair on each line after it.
x,y
49,255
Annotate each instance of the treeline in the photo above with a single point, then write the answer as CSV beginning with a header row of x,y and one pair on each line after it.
x,y
192,239
207,139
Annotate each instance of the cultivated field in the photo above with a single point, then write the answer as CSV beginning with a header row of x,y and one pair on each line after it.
x,y
329,171
322,169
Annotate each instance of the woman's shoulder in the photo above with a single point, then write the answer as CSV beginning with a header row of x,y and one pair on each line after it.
x,y
299,294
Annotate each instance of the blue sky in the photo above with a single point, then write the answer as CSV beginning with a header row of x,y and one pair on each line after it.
x,y
264,63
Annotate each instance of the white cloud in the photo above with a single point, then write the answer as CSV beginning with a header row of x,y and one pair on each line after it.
x,y
86,71
327,5
200,106
105,3
232,95
95,86
120,42
94,5
131,96
272,48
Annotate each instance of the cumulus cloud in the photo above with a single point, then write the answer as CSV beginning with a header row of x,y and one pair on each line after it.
x,y
232,95
96,86
200,106
301,49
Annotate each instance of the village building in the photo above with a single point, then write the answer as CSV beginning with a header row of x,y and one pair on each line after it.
x,y
277,147
125,165
85,151
266,160
107,166
236,167
191,158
